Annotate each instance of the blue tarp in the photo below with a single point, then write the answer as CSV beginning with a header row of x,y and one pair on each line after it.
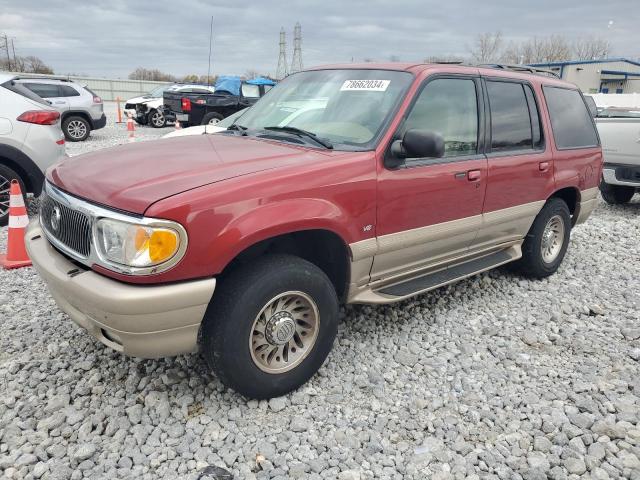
x,y
229,84
232,84
261,81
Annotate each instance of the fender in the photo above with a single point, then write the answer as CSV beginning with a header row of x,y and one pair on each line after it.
x,y
18,161
268,221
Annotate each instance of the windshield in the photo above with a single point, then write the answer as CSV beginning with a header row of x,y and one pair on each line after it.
x,y
231,118
347,107
158,91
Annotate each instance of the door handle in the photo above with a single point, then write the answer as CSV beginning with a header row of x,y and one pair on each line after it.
x,y
473,175
543,166
460,175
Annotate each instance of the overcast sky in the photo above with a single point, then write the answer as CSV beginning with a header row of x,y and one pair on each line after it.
x,y
111,38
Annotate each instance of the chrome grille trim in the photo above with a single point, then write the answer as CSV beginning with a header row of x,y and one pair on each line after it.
x,y
73,227
83,216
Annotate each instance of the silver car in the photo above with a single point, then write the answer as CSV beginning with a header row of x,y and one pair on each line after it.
x,y
30,140
80,108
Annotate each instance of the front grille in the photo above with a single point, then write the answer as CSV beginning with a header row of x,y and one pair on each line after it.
x,y
631,174
69,227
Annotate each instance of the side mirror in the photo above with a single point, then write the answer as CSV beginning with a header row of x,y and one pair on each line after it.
x,y
417,144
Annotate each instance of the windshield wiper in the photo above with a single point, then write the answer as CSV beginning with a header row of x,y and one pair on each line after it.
x,y
238,128
302,133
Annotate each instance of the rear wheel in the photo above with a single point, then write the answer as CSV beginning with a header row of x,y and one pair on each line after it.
x,y
157,119
6,176
616,194
546,243
270,326
211,118
76,129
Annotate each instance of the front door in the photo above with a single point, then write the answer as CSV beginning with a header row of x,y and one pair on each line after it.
x,y
430,209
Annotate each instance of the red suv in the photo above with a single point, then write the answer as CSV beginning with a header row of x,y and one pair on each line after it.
x,y
355,184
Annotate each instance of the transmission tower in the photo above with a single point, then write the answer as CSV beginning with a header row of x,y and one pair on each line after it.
x,y
296,62
282,59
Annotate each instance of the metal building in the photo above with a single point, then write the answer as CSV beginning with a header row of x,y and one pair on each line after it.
x,y
611,75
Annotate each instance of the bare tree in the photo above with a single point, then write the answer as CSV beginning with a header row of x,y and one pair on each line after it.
x,y
538,50
591,48
487,47
151,74
251,73
29,64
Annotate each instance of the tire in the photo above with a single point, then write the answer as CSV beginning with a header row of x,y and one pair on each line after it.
x,y
6,175
616,194
538,261
237,341
76,129
211,118
156,119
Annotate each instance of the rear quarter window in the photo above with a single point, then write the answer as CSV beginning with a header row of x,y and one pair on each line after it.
x,y
23,92
571,120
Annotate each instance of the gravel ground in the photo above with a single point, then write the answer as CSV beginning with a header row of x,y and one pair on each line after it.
x,y
495,377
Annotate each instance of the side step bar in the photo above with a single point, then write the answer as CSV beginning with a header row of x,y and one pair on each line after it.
x,y
447,275
408,288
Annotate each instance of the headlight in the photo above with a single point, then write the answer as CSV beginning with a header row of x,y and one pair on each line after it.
x,y
139,246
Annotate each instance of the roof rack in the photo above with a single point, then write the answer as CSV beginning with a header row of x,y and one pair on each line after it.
x,y
26,76
521,68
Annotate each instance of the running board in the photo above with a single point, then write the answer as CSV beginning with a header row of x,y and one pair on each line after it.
x,y
408,288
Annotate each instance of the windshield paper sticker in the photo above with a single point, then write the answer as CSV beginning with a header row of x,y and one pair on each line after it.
x,y
368,85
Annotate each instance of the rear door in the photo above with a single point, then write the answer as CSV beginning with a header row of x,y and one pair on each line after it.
x,y
429,209
520,164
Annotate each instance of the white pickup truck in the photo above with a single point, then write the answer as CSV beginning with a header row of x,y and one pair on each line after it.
x,y
619,130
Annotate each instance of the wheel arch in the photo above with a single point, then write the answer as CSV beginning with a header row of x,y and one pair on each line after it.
x,y
78,113
24,166
321,246
571,196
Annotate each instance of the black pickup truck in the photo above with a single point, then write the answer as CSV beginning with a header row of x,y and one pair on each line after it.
x,y
231,95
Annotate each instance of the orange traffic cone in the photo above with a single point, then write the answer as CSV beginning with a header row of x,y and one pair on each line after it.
x,y
16,256
130,128
178,126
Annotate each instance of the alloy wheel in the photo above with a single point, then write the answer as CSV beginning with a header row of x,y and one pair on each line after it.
x,y
552,239
5,186
76,129
284,332
157,119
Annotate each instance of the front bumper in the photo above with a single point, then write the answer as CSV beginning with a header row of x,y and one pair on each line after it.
x,y
611,177
137,320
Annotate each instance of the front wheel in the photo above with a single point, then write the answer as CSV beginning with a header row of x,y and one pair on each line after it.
x,y
546,243
616,194
157,119
270,326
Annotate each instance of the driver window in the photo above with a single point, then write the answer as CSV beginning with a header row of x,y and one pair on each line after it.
x,y
449,107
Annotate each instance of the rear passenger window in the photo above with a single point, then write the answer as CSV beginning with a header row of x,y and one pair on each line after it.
x,y
571,121
510,121
67,91
43,90
448,106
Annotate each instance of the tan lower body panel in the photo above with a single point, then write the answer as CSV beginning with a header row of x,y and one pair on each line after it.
x,y
404,255
142,321
588,202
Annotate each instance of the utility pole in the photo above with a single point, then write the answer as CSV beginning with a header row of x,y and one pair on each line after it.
x,y
281,72
210,41
15,62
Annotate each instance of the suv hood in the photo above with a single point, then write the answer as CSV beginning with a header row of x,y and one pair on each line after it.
x,y
132,177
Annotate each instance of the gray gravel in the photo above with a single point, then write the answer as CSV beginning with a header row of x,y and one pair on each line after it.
x,y
496,377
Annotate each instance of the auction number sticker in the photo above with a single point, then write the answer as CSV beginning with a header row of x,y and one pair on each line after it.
x,y
369,85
